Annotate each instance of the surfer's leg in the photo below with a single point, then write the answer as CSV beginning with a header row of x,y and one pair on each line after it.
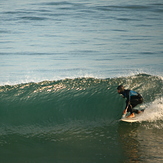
x,y
132,115
134,103
131,112
135,110
138,111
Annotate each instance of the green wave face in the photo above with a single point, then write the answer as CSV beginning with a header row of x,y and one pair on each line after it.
x,y
80,99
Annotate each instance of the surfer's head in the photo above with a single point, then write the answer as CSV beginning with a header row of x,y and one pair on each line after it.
x,y
120,89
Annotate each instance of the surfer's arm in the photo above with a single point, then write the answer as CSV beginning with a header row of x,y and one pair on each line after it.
x,y
127,103
126,108
128,99
125,111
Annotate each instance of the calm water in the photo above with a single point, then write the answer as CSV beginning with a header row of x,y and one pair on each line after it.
x,y
49,40
61,62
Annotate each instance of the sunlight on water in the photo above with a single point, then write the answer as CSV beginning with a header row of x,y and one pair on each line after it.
x,y
60,64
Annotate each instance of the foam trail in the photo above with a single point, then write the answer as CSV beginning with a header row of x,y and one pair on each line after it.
x,y
153,111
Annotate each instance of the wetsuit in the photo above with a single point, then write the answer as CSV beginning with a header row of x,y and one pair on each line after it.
x,y
133,99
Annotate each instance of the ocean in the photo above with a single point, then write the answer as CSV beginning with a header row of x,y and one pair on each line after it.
x,y
61,62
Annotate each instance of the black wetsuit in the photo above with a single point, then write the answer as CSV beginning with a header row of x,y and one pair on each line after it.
x,y
133,99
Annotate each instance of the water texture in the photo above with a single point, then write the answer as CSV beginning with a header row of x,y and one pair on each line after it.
x,y
60,65
77,120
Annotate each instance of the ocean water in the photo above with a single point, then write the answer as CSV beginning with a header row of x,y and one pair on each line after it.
x,y
60,64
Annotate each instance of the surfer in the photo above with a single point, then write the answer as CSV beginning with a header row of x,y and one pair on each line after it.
x,y
133,99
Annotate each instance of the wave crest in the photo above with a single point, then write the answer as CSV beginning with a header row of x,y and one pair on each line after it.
x,y
80,99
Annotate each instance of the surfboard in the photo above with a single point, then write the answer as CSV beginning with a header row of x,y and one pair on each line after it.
x,y
135,119
129,119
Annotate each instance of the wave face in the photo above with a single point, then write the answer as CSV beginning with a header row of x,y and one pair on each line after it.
x,y
69,100
59,119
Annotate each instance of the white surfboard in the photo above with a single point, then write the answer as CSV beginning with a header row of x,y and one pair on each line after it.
x,y
135,119
129,119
